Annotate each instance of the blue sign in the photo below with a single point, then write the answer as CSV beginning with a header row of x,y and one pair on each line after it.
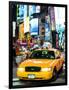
x,y
34,26
47,32
32,9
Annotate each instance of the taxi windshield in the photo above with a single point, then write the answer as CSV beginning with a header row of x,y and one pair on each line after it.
x,y
43,54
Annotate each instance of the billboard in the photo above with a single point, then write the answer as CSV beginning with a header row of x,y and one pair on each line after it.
x,y
21,31
26,24
14,28
34,26
47,28
20,12
37,9
32,9
47,32
52,17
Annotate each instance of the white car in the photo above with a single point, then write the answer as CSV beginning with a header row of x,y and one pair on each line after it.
x,y
47,45
36,46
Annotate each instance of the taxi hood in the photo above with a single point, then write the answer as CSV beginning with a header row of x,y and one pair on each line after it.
x,y
38,62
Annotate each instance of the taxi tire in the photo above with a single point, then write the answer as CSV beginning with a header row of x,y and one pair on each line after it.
x,y
55,74
61,70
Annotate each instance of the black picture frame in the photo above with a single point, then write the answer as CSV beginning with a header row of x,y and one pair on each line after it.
x,y
13,17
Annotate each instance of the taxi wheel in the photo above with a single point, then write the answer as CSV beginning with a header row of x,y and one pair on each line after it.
x,y
61,70
55,74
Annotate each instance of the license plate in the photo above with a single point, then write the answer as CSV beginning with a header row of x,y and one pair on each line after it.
x,y
31,76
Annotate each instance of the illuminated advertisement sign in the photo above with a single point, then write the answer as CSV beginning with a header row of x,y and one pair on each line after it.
x,y
32,9
52,17
47,28
47,32
25,11
21,31
34,26
14,28
37,9
20,12
26,24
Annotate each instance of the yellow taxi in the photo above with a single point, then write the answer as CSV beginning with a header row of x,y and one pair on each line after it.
x,y
41,65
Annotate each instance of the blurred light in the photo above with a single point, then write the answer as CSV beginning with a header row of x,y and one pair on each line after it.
x,y
21,69
59,16
46,69
21,31
37,9
14,28
26,25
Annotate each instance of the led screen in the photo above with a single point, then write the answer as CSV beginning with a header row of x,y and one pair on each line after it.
x,y
34,26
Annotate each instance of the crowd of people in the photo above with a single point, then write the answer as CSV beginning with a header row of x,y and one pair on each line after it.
x,y
21,50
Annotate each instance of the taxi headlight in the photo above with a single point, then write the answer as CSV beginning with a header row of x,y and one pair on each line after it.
x,y
46,69
21,69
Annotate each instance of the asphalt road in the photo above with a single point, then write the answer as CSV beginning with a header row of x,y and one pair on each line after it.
x,y
17,82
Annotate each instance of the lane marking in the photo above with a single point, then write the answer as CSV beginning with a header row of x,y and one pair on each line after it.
x,y
15,79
